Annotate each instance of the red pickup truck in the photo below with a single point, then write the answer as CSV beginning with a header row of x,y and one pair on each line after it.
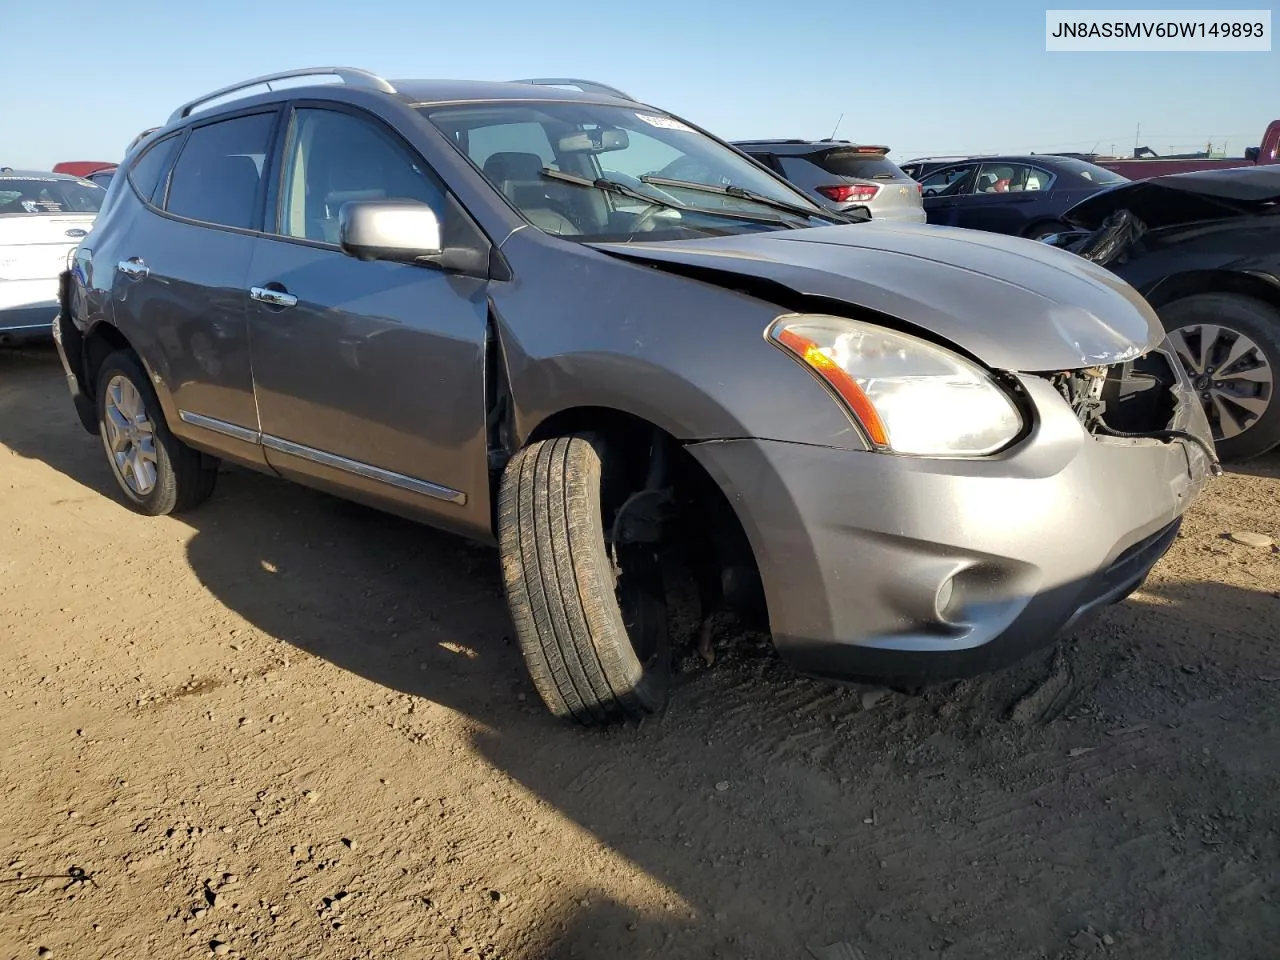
x,y
1138,168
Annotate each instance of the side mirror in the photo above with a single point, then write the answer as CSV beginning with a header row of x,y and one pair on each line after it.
x,y
396,230
1252,154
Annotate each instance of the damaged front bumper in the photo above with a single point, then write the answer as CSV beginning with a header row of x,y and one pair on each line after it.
x,y
907,569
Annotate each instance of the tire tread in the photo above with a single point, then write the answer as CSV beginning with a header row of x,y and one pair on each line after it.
x,y
560,585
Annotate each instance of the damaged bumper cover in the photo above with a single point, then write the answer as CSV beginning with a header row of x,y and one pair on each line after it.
x,y
909,569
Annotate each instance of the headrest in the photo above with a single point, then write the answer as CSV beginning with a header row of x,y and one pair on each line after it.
x,y
510,165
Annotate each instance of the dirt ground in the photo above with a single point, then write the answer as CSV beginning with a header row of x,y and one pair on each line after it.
x,y
288,727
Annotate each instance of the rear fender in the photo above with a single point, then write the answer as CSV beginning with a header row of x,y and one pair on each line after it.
x,y
71,350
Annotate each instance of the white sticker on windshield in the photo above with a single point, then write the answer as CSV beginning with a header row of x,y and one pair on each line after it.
x,y
666,123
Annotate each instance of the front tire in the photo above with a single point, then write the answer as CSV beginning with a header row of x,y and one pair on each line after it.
x,y
593,636
1230,347
157,473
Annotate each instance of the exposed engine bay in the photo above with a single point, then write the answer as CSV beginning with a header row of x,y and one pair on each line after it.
x,y
1136,396
1132,400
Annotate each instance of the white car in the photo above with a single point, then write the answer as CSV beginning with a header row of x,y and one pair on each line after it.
x,y
43,217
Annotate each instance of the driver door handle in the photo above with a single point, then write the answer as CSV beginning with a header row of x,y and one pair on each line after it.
x,y
133,268
273,298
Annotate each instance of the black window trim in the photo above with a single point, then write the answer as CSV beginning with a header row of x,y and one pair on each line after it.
x,y
162,182
276,109
284,139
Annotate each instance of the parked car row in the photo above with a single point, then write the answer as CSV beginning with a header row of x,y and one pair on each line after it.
x,y
639,363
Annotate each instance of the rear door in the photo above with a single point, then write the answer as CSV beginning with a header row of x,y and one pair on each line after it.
x,y
369,375
181,272
1007,198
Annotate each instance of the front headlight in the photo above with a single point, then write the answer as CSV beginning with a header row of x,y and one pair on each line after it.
x,y
908,395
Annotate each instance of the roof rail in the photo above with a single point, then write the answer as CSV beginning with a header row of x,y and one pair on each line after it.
x,y
348,75
586,86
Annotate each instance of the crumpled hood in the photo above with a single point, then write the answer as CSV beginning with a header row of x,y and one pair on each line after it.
x,y
1183,197
1014,304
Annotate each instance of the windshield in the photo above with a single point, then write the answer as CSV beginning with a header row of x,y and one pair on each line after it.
x,y
26,196
862,166
546,159
1090,171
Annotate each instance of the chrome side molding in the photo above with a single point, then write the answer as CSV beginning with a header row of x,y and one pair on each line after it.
x,y
355,467
233,430
366,470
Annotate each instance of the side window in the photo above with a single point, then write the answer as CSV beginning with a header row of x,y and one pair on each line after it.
x,y
527,138
218,176
150,169
948,182
1011,178
335,158
1037,179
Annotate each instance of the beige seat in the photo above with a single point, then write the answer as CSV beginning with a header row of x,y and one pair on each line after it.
x,y
519,177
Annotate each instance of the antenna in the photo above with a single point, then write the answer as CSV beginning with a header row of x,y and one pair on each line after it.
x,y
837,127
1137,135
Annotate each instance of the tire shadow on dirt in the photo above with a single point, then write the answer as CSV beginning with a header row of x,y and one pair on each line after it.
x,y
1103,786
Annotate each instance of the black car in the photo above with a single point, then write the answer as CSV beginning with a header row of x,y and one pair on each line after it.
x,y
1204,249
1021,195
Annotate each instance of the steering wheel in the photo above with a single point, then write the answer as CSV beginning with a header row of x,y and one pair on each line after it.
x,y
645,216
641,223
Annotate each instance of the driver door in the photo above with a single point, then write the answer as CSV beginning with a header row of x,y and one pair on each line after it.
x,y
946,192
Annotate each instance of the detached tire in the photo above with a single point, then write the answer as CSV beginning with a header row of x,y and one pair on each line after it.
x,y
594,639
1238,397
157,473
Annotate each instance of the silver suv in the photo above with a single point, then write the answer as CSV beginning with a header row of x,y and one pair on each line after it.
x,y
843,176
500,308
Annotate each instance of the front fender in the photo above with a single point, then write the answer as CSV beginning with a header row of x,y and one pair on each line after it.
x,y
579,328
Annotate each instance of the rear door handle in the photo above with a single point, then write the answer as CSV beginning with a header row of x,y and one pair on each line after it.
x,y
133,268
273,298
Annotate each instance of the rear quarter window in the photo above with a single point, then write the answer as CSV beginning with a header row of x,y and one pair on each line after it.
x,y
150,169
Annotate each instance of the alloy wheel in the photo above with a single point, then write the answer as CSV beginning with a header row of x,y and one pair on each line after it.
x,y
129,436
1230,373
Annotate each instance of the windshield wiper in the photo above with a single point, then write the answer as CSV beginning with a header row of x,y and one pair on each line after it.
x,y
742,193
613,186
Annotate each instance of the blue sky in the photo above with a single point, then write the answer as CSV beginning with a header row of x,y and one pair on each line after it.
x,y
922,78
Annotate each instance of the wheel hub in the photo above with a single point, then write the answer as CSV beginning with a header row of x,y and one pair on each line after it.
x,y
1230,373
129,437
